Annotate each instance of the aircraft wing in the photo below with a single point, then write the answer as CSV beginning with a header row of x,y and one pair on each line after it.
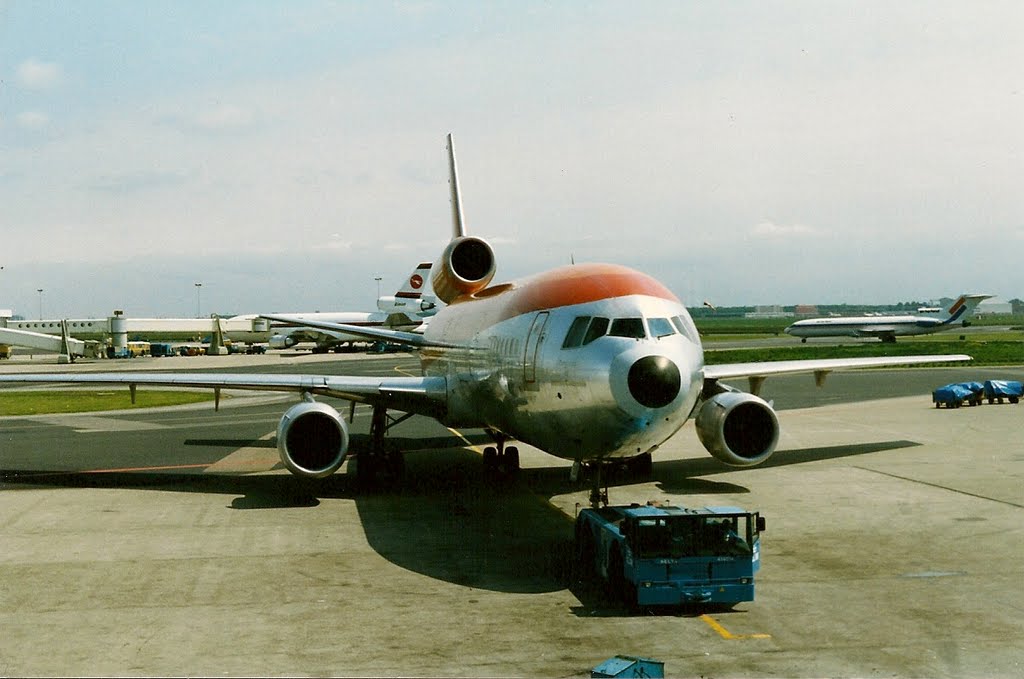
x,y
410,339
421,395
757,372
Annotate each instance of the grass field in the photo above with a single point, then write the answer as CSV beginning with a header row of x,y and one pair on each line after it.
x,y
999,352
83,401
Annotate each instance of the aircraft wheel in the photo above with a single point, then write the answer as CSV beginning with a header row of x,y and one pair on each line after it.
x,y
510,465
618,586
490,458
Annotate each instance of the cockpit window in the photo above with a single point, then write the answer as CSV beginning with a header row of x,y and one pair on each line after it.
x,y
577,330
685,325
598,327
661,327
628,327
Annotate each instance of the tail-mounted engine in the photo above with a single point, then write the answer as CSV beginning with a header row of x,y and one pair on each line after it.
x,y
466,266
737,428
312,439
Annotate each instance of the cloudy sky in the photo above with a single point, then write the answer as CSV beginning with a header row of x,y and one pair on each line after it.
x,y
286,154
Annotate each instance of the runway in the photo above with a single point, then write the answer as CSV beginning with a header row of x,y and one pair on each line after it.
x,y
170,542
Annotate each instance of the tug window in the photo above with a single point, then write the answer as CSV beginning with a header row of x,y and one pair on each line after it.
x,y
628,327
576,332
661,327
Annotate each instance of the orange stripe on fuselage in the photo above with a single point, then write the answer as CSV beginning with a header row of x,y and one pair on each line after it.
x,y
564,286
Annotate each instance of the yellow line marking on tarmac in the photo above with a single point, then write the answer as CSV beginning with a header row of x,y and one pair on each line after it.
x,y
726,634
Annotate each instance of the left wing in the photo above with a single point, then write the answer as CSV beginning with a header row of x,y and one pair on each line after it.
x,y
757,372
414,340
420,395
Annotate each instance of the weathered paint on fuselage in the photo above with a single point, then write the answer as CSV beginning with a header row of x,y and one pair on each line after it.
x,y
514,375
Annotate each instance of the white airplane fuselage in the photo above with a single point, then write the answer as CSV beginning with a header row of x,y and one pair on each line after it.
x,y
869,326
514,375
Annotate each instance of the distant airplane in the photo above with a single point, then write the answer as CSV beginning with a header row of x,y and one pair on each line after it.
x,y
407,309
888,328
594,363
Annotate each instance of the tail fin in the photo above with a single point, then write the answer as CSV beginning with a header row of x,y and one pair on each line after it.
x,y
409,297
458,224
963,307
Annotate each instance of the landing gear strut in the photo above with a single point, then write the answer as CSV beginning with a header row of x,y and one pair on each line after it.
x,y
377,463
598,495
499,461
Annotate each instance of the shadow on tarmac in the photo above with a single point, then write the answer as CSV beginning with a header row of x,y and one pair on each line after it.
x,y
444,519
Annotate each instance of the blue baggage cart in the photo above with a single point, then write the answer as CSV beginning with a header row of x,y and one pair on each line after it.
x,y
997,390
955,395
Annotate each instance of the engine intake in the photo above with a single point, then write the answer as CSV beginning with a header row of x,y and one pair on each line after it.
x,y
737,428
466,266
312,439
282,341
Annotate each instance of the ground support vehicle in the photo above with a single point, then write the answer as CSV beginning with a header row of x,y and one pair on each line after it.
x,y
159,349
669,556
955,395
997,390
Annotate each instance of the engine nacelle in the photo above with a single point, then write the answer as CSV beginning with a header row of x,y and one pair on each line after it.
x,y
466,266
281,341
312,439
737,428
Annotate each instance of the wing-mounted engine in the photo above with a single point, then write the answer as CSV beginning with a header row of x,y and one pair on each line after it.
x,y
466,266
737,428
312,439
279,341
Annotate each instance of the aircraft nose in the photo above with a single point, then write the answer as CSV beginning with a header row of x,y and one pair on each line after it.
x,y
654,381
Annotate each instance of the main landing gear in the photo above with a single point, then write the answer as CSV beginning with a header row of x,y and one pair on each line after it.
x,y
500,462
378,464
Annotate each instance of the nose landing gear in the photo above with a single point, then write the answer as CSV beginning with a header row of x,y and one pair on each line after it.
x,y
598,495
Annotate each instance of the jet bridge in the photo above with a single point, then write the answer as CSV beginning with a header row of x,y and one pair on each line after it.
x,y
65,346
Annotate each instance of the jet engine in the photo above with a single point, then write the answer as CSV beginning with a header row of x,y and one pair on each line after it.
x,y
466,266
281,342
738,428
312,439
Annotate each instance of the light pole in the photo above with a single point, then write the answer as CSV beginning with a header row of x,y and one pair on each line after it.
x,y
40,291
377,278
199,288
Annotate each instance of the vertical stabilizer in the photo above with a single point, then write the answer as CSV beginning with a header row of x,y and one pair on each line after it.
x,y
458,225
963,307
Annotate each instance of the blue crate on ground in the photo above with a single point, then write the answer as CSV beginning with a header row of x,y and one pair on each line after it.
x,y
629,666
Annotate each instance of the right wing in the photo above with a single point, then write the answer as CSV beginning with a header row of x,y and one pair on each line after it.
x,y
757,372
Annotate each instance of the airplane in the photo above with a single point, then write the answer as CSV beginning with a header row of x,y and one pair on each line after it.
x,y
594,363
407,309
888,328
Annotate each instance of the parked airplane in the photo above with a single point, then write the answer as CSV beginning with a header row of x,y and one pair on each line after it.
x,y
407,309
888,328
589,362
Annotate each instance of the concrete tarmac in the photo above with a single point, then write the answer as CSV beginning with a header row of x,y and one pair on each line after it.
x,y
169,542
